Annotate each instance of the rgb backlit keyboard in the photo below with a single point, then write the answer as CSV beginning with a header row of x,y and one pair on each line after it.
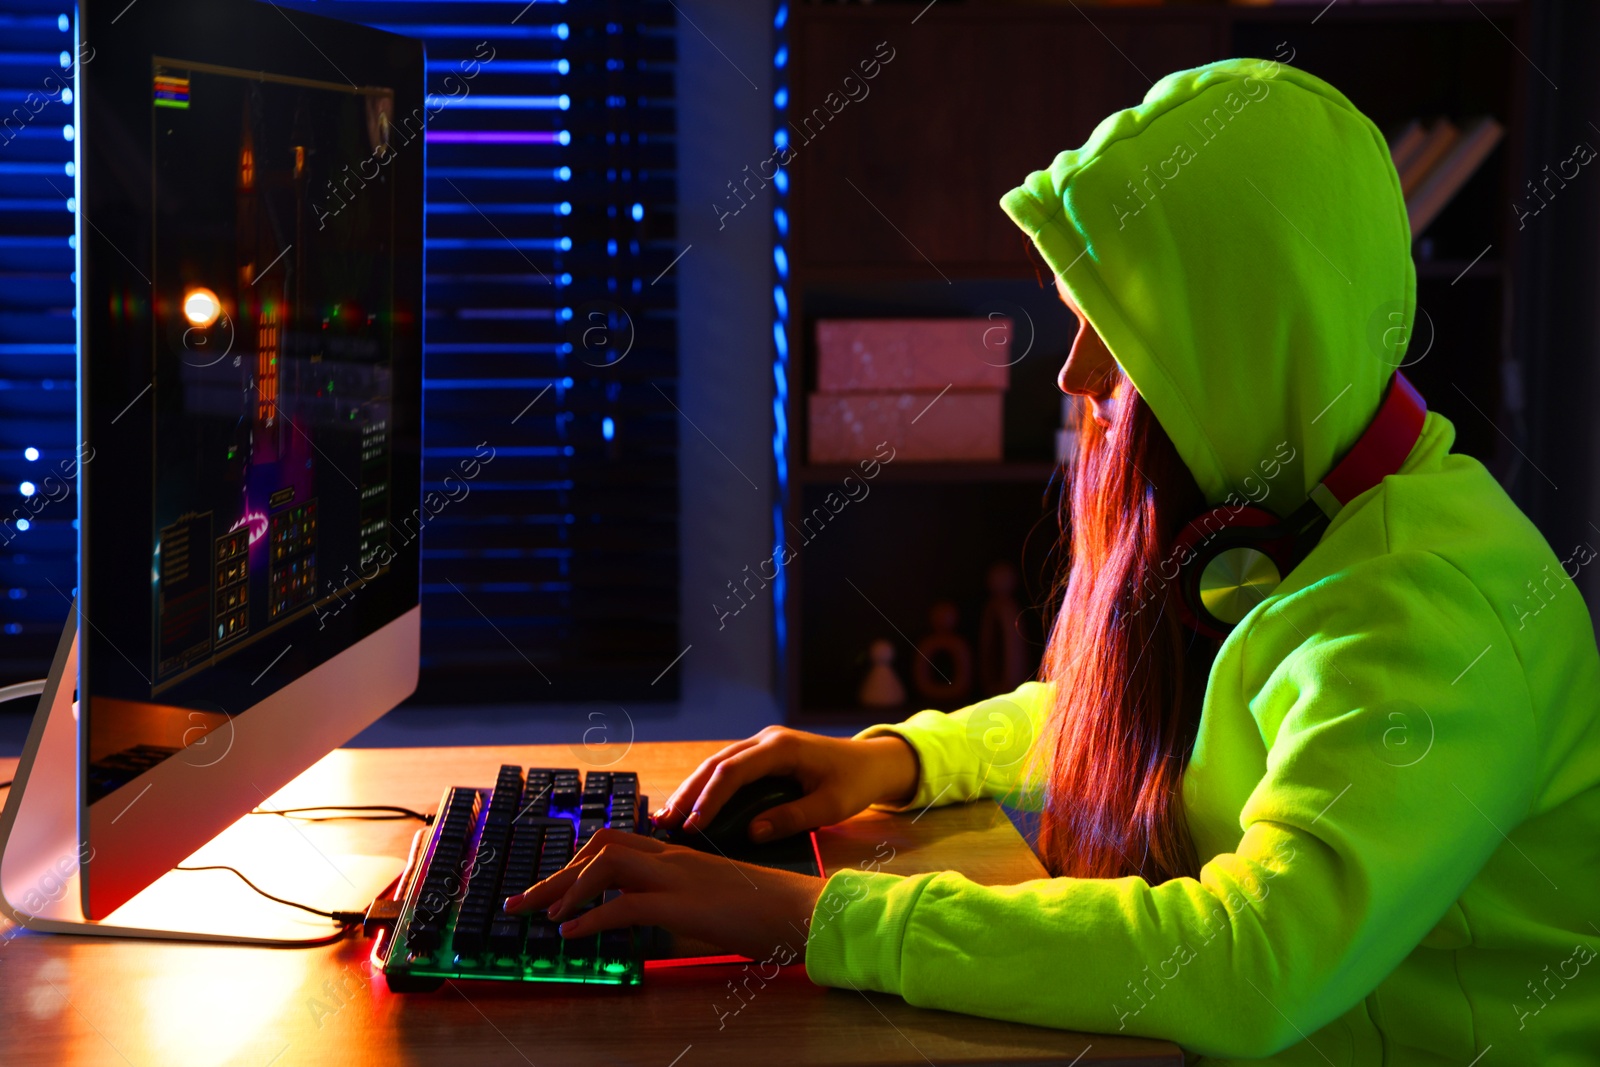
x,y
486,845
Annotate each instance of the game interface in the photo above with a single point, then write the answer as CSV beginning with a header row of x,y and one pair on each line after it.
x,y
273,321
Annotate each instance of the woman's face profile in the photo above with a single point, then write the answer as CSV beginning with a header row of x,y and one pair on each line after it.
x,y
1090,370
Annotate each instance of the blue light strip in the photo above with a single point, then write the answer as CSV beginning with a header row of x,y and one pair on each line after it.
x,y
501,103
558,174
482,33
511,66
562,208
496,383
537,244
780,340
51,168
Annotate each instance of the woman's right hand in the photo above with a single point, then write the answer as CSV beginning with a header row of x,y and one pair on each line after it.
x,y
840,777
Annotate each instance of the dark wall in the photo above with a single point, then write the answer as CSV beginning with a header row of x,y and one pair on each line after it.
x,y
1557,331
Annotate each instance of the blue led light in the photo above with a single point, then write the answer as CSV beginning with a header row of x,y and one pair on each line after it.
x,y
566,383
13,627
565,207
68,133
66,60
565,314
565,244
72,203
562,31
608,429
27,488
30,453
24,525
611,247
72,169
564,280
562,66
63,23
499,103
564,174
564,137
780,340
72,240
638,213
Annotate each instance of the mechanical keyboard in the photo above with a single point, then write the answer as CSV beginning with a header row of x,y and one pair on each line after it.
x,y
486,845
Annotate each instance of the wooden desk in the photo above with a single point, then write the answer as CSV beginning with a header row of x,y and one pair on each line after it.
x,y
92,1001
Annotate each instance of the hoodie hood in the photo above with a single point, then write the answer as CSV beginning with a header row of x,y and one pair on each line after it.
x,y
1240,241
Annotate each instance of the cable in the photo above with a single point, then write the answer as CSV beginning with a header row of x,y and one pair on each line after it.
x,y
398,813
342,918
22,689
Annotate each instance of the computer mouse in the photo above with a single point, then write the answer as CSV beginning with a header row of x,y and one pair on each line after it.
x,y
729,828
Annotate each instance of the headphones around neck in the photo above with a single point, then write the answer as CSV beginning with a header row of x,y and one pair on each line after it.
x,y
1235,556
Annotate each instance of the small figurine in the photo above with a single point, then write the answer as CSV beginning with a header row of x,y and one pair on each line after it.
x,y
1002,658
934,684
882,688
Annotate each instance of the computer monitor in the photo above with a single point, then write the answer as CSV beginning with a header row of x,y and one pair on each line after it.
x,y
250,313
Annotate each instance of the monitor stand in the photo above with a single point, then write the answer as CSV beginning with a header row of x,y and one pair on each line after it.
x,y
40,852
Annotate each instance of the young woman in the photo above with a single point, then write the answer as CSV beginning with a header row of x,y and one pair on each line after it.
x,y
1363,829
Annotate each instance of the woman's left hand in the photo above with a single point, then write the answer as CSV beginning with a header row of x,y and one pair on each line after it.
x,y
738,907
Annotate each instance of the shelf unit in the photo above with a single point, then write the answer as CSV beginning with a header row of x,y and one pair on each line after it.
x,y
891,210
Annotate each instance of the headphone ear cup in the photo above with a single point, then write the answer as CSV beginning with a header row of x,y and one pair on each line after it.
x,y
1229,560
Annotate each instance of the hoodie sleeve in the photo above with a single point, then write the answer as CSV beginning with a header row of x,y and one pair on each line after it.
x,y
983,750
1349,854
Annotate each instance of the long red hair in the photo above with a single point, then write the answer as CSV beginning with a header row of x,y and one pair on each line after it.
x,y
1129,676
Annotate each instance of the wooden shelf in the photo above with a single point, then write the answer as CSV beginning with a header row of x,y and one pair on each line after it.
x,y
912,471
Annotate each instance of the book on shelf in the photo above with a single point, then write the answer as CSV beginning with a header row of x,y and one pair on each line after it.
x,y
1435,161
1403,147
1435,143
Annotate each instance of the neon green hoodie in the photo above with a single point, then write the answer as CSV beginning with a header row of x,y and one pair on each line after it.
x,y
1395,789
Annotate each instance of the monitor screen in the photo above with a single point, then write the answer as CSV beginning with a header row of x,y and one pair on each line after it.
x,y
250,316
272,391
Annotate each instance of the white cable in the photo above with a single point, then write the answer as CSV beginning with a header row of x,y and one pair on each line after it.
x,y
22,689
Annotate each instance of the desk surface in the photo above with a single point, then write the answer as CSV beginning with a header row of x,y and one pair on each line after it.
x,y
93,1000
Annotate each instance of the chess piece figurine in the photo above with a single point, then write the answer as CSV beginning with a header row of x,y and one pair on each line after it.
x,y
881,688
951,683
1002,657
